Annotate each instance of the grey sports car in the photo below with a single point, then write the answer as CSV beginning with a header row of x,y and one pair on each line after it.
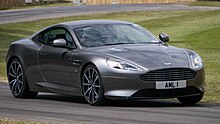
x,y
103,59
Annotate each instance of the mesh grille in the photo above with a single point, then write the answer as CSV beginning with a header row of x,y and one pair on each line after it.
x,y
169,74
166,93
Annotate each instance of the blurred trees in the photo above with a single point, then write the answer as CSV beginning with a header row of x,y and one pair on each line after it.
x,y
4,4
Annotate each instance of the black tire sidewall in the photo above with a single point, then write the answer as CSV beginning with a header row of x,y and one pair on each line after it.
x,y
190,99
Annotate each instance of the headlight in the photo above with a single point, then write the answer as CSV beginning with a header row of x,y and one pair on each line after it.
x,y
196,60
117,64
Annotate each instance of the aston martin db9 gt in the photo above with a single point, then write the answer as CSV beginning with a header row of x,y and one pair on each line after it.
x,y
103,59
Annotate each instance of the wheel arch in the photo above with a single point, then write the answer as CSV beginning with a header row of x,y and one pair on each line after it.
x,y
84,67
11,59
25,91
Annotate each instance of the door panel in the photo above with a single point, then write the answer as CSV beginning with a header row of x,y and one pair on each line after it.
x,y
55,63
56,66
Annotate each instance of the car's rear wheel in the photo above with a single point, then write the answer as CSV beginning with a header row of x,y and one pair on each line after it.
x,y
17,81
92,86
190,99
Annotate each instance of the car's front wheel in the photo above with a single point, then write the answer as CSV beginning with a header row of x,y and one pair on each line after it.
x,y
190,99
17,81
92,86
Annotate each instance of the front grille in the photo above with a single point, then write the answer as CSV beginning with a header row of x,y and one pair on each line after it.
x,y
170,74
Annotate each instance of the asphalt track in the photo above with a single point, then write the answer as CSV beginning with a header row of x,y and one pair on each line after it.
x,y
10,16
53,108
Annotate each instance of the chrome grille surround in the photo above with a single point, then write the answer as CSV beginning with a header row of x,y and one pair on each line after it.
x,y
169,74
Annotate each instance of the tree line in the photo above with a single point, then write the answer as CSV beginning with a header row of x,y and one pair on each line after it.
x,y
5,4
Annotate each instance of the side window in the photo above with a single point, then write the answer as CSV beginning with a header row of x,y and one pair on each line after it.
x,y
43,36
60,33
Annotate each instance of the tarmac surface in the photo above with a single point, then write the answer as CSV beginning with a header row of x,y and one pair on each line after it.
x,y
53,108
10,16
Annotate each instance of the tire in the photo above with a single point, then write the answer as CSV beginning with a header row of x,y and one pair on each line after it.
x,y
18,82
92,87
190,99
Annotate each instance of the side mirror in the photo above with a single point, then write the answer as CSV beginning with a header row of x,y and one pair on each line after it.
x,y
164,37
59,43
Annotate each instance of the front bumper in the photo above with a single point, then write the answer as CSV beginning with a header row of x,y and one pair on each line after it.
x,y
131,86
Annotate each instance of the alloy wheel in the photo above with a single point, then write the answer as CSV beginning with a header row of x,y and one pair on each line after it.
x,y
91,85
15,77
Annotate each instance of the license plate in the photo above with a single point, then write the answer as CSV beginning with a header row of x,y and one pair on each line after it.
x,y
170,84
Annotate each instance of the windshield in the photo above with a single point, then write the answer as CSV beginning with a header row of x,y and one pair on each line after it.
x,y
113,34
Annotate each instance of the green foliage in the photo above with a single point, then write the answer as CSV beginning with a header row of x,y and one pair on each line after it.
x,y
212,3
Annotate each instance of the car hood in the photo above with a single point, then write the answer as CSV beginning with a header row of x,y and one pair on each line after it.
x,y
151,56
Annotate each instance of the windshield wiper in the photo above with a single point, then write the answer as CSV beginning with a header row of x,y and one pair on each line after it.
x,y
151,42
133,43
117,43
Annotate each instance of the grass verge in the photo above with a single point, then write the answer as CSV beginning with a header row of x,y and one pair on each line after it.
x,y
205,3
12,121
196,30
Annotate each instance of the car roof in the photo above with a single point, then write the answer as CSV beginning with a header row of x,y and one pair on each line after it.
x,y
93,22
